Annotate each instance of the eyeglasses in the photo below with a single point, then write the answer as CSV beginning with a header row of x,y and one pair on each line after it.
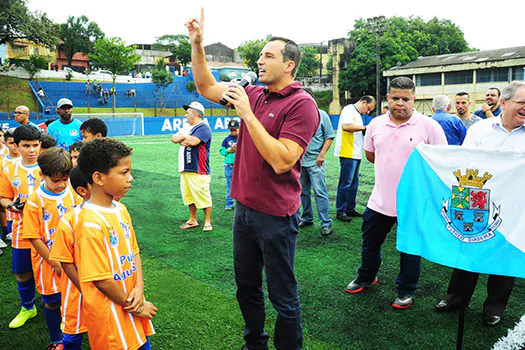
x,y
19,112
521,103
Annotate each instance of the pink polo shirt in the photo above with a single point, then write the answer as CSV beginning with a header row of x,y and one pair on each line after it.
x,y
392,145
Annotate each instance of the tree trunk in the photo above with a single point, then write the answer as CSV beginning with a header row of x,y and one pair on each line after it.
x,y
114,94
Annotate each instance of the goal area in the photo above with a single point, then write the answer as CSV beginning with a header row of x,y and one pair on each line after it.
x,y
119,124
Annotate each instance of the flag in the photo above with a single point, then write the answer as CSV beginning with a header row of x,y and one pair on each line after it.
x,y
464,207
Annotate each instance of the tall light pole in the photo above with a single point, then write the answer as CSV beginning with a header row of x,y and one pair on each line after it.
x,y
377,25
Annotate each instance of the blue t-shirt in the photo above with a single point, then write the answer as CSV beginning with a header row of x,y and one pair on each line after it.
x,y
197,159
65,134
324,132
453,127
482,114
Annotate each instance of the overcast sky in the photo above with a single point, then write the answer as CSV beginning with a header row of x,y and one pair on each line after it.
x,y
234,21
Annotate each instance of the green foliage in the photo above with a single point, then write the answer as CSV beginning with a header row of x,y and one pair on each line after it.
x,y
179,45
160,76
79,35
224,77
405,40
309,63
191,87
250,51
17,22
33,65
323,99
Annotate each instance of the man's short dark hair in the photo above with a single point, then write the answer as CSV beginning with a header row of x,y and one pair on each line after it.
x,y
367,99
77,146
49,121
291,52
101,155
8,133
26,132
95,126
77,179
463,93
402,83
55,161
495,88
47,140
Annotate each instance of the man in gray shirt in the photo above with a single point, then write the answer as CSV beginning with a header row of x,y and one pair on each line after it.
x,y
462,109
312,175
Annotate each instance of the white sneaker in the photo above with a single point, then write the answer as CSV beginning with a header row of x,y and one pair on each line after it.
x,y
9,236
2,244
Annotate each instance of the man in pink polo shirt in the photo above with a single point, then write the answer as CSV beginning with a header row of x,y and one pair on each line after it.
x,y
278,122
388,143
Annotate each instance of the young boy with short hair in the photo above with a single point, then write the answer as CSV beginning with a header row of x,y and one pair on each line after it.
x,y
74,150
11,158
42,213
113,288
47,140
227,150
93,128
64,251
3,149
21,180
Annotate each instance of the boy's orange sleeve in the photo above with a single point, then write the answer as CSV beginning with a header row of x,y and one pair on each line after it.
x,y
94,264
6,191
31,227
63,245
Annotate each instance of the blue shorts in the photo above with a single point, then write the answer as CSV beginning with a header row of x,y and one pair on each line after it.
x,y
21,259
51,299
146,346
73,341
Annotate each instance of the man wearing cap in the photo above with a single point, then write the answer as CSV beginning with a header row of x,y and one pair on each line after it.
x,y
22,116
65,130
227,150
194,165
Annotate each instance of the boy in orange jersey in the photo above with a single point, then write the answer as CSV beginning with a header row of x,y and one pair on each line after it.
x,y
8,161
64,250
22,179
42,213
118,317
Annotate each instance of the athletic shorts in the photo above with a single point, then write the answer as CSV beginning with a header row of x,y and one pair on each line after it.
x,y
195,189
21,259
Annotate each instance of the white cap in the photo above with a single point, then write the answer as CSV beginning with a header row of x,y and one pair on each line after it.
x,y
64,102
195,105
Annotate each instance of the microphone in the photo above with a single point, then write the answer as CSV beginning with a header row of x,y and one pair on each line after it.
x,y
249,78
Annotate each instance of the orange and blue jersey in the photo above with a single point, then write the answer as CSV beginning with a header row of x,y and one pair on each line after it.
x,y
64,250
20,181
42,214
106,236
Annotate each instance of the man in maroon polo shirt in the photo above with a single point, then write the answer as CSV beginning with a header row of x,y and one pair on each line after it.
x,y
278,122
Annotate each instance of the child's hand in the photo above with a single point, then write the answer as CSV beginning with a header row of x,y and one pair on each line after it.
x,y
232,149
57,267
149,310
135,301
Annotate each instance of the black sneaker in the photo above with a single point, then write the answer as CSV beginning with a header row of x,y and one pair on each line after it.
x,y
354,213
305,223
343,217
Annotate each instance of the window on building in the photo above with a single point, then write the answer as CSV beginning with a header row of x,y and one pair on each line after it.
x,y
35,51
518,73
461,77
492,75
428,79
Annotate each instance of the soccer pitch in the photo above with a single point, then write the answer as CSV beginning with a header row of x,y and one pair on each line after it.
x,y
189,275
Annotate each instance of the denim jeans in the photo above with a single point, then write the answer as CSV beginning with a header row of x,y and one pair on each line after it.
x,y
262,241
347,186
228,172
313,177
375,228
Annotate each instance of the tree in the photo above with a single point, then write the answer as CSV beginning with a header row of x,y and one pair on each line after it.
x,y
250,51
79,35
113,55
404,40
161,78
17,22
309,62
178,44
33,65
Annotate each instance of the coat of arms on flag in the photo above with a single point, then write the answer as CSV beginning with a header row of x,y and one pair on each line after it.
x,y
467,212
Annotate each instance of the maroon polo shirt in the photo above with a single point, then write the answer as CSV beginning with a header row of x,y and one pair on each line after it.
x,y
291,114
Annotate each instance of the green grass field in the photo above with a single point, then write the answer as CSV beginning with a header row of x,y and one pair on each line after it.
x,y
189,275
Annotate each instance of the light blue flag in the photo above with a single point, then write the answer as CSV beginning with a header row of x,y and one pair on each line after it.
x,y
464,207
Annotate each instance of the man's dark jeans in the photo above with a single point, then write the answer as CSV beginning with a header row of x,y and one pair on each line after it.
x,y
265,241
